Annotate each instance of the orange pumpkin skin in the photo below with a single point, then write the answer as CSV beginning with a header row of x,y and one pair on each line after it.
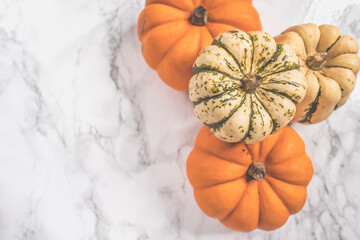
x,y
170,43
223,189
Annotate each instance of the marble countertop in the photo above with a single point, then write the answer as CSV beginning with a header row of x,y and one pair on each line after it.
x,y
93,144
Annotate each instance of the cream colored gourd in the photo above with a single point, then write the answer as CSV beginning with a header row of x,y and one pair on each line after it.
x,y
245,86
330,65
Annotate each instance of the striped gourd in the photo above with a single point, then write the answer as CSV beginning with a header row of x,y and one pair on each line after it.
x,y
330,65
245,86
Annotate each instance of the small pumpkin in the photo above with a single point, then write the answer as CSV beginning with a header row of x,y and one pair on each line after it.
x,y
245,86
173,32
330,63
249,186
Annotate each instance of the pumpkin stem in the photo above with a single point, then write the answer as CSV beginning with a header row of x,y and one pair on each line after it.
x,y
317,61
251,82
199,16
256,170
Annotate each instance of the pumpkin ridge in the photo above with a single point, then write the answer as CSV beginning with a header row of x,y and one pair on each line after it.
x,y
250,120
213,35
306,54
279,135
303,37
282,94
276,195
220,183
214,96
276,192
200,47
222,158
200,69
281,180
256,154
236,206
144,34
342,93
167,4
290,208
159,25
328,49
258,224
218,124
284,160
272,121
148,11
284,180
248,6
221,45
173,47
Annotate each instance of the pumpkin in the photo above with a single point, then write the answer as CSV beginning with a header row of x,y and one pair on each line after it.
x,y
330,64
248,186
173,32
245,86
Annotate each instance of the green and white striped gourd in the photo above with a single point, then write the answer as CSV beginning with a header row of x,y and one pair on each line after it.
x,y
245,86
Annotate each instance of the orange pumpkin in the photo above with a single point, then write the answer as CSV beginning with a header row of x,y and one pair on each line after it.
x,y
173,32
250,186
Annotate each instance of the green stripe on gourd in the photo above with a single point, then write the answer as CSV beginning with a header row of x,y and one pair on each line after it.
x,y
214,110
334,66
206,68
312,107
214,97
272,125
218,42
247,135
286,94
217,125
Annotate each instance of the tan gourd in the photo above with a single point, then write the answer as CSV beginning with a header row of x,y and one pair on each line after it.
x,y
330,64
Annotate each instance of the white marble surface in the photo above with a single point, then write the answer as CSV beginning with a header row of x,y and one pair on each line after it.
x,y
93,145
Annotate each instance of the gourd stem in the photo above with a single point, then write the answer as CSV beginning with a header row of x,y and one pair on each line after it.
x,y
317,61
250,82
256,171
199,16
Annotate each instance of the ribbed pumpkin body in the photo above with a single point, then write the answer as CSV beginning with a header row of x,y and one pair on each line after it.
x,y
219,174
245,86
330,64
173,32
